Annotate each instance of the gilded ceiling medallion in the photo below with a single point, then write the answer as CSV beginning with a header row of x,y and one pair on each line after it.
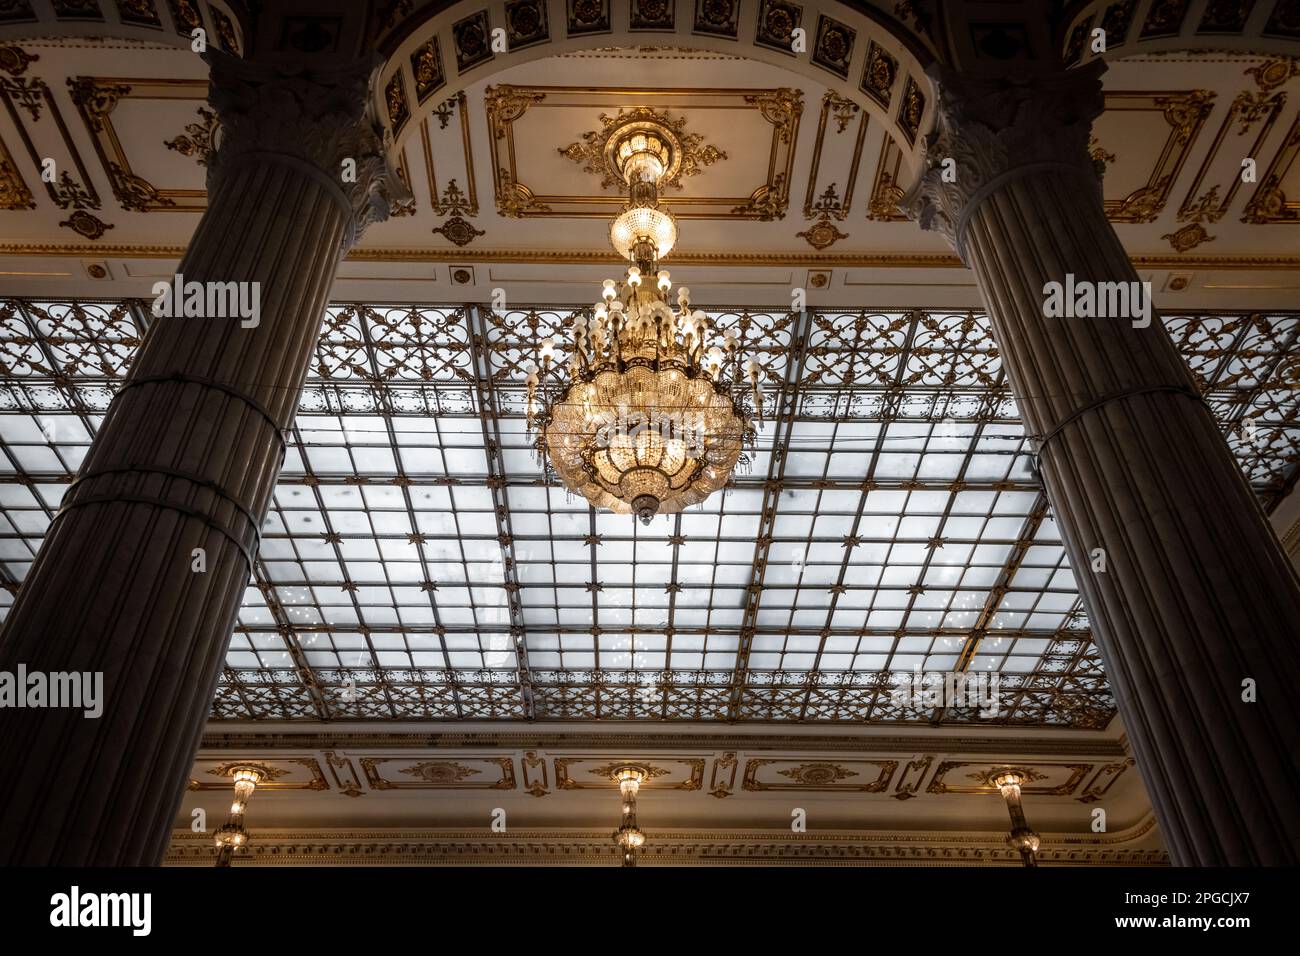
x,y
426,67
879,74
611,771
817,774
1272,74
459,231
85,224
440,771
909,117
596,151
822,234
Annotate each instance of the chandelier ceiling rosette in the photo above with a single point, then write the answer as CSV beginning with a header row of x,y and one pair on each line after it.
x,y
652,411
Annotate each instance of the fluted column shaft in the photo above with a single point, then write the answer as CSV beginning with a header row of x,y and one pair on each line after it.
x,y
1190,594
187,459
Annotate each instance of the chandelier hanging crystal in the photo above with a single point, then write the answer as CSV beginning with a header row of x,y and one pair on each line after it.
x,y
653,411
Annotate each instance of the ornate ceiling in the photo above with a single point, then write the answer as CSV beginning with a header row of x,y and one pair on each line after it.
x,y
795,184
546,795
418,571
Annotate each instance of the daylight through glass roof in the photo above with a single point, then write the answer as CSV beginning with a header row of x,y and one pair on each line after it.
x,y
417,563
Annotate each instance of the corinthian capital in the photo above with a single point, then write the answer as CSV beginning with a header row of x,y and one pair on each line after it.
x,y
994,129
317,119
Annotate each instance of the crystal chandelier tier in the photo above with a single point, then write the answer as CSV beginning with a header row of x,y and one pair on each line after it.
x,y
653,410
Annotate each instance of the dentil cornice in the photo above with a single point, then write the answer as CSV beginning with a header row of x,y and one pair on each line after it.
x,y
315,118
995,129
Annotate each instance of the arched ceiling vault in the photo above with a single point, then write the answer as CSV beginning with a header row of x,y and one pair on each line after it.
x,y
873,62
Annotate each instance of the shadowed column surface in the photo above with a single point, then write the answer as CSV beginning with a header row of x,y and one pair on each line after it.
x,y
1187,590
186,459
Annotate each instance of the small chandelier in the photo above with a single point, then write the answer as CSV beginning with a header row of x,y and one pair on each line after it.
x,y
652,413
629,836
1022,838
232,837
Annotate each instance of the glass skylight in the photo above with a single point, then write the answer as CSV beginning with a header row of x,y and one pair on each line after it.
x,y
418,563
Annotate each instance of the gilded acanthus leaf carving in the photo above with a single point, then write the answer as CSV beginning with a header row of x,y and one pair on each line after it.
x,y
199,139
440,771
817,773
593,153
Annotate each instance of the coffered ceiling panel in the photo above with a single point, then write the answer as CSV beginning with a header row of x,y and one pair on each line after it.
x,y
279,773
123,118
741,169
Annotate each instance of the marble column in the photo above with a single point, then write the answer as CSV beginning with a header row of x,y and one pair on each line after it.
x,y
142,571
1196,602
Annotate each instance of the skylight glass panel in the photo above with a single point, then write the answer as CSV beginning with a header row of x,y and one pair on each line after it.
x,y
415,544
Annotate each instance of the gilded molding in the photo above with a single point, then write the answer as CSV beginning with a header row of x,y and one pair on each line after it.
x,y
198,140
348,782
505,104
1270,204
469,206
843,112
704,847
1188,237
1098,746
863,260
1185,113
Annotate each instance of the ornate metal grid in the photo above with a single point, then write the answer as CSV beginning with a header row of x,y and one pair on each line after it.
x,y
417,562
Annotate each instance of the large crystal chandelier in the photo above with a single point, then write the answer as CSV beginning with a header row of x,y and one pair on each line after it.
x,y
653,411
